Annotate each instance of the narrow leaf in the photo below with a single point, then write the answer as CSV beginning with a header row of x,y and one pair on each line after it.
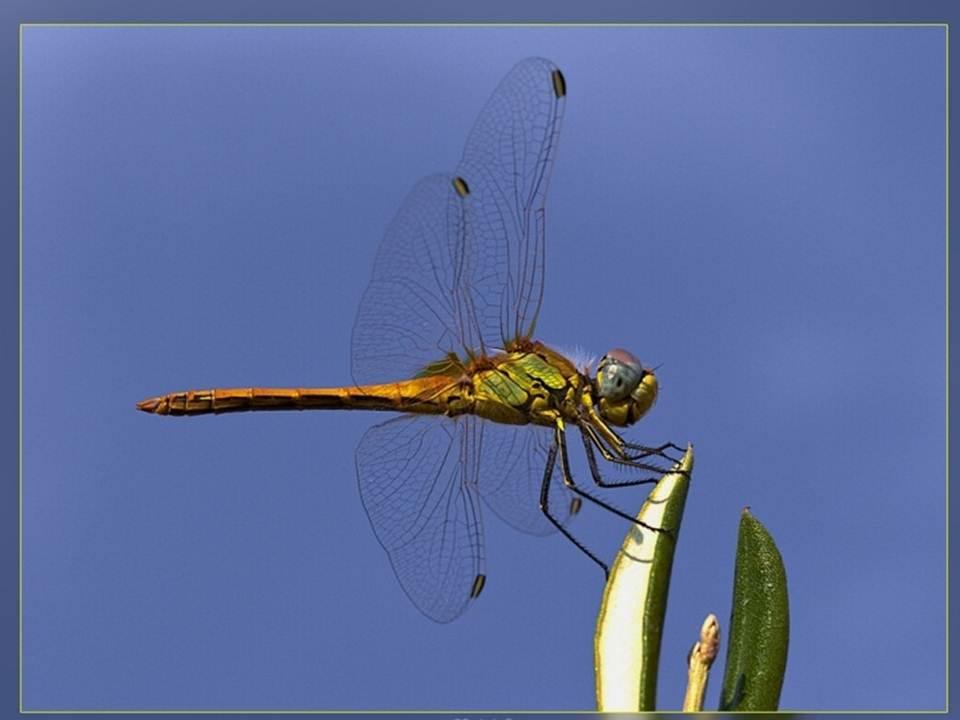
x,y
759,622
630,623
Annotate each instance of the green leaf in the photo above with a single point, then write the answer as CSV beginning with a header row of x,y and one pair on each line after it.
x,y
630,623
759,622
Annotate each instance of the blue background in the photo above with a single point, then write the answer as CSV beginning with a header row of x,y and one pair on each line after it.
x,y
759,210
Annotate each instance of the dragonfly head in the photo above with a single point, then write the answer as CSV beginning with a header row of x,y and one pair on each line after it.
x,y
626,391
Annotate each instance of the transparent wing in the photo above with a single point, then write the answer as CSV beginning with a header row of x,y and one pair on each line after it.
x,y
461,270
506,166
410,313
512,462
415,482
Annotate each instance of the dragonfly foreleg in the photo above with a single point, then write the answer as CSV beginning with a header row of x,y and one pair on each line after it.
x,y
545,507
659,451
561,443
617,459
619,446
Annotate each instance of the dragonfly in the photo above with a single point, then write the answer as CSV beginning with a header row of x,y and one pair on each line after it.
x,y
444,335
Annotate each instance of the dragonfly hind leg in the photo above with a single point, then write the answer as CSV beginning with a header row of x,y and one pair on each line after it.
x,y
545,507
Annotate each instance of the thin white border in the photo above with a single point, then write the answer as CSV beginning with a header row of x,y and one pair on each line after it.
x,y
946,28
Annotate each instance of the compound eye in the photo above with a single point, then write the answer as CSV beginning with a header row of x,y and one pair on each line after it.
x,y
618,375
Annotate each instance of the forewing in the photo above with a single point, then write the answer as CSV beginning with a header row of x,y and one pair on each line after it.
x,y
408,316
512,464
506,166
415,486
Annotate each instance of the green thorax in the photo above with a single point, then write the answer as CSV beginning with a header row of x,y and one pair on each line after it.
x,y
512,385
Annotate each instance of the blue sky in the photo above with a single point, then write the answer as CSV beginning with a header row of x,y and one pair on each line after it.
x,y
759,211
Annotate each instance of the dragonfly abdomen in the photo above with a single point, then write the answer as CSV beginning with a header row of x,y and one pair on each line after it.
x,y
417,396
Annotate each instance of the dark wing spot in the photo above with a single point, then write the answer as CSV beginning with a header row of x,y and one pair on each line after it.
x,y
559,84
478,582
460,185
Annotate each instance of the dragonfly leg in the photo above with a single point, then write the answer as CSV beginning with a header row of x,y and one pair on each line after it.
x,y
619,446
561,443
595,470
545,507
659,451
609,455
598,479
